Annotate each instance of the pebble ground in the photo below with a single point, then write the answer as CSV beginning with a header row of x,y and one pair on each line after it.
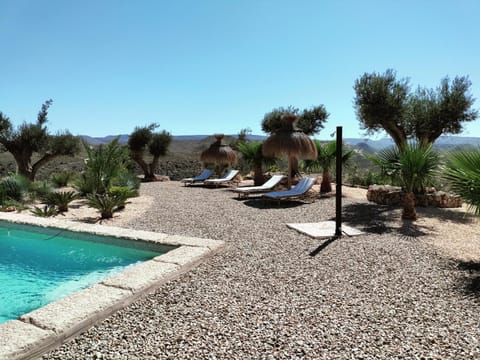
x,y
382,295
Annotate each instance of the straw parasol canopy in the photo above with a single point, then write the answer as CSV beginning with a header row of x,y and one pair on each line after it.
x,y
291,142
219,152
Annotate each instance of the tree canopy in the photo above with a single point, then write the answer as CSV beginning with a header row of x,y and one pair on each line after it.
x,y
310,121
25,140
383,102
157,143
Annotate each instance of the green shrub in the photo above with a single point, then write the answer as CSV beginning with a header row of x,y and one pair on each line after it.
x,y
61,179
45,211
462,172
13,187
84,184
39,190
126,178
107,204
61,199
123,191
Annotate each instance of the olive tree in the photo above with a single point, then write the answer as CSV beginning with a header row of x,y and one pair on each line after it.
x,y
383,102
157,143
28,139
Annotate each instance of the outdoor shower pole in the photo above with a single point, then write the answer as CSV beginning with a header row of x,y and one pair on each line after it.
x,y
338,181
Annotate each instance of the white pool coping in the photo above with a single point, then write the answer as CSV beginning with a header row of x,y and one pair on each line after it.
x,y
43,329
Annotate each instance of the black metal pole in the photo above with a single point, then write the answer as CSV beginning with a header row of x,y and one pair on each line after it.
x,y
338,181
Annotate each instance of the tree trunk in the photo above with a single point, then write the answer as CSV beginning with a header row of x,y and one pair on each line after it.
x,y
409,207
143,165
294,171
396,133
326,185
23,165
258,177
289,177
42,161
150,174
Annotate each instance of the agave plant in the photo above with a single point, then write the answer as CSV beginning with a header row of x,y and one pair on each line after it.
x,y
61,199
107,203
414,165
325,162
14,187
462,172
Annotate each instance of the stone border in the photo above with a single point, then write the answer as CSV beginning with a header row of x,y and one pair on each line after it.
x,y
48,327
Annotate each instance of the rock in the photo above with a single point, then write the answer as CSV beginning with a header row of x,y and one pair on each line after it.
x,y
393,195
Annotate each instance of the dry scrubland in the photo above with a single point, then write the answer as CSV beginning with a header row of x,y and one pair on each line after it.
x,y
401,290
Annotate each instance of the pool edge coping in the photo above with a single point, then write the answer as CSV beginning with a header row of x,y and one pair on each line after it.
x,y
36,332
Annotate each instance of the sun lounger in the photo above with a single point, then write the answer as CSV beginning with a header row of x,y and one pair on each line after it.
x,y
267,186
227,179
298,191
206,173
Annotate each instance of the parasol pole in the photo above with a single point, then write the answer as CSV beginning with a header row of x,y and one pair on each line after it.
x,y
338,192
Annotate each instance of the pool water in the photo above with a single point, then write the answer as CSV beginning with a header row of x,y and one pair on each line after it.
x,y
37,268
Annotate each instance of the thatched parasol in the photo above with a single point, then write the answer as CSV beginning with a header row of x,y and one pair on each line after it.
x,y
219,152
289,141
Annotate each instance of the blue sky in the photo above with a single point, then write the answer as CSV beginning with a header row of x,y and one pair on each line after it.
x,y
209,66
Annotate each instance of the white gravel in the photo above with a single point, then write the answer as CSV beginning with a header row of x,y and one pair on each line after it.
x,y
381,295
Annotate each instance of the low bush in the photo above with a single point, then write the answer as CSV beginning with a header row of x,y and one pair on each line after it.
x,y
107,203
61,199
45,211
61,179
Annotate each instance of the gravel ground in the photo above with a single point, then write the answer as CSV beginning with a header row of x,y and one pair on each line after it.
x,y
385,294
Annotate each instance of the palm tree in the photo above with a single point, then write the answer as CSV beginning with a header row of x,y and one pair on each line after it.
x,y
462,171
415,165
325,161
252,154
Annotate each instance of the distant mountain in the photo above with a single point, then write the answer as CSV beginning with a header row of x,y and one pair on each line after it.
x,y
368,145
443,142
124,138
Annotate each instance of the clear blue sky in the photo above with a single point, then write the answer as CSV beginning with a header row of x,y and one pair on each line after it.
x,y
208,66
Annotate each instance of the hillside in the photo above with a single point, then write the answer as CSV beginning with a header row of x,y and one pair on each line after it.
x,y
182,159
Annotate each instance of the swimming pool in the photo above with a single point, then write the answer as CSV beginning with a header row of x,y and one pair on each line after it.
x,y
38,266
40,330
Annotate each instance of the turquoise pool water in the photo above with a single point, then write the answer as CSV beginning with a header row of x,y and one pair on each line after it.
x,y
38,266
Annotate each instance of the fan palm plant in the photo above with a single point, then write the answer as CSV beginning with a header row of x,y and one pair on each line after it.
x,y
252,154
462,171
414,165
325,161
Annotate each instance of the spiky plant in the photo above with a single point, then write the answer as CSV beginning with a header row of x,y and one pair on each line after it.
x,y
107,204
14,187
325,162
462,171
252,154
61,199
45,211
61,179
104,163
414,165
39,190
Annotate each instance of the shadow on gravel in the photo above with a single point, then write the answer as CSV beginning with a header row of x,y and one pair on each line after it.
x,y
371,218
446,214
377,219
471,277
262,204
323,245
